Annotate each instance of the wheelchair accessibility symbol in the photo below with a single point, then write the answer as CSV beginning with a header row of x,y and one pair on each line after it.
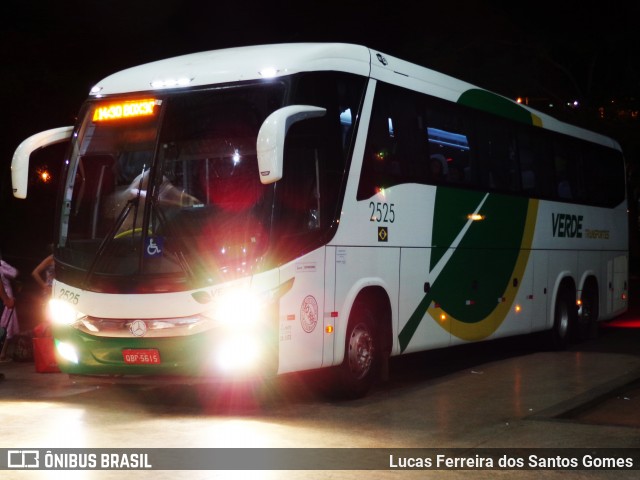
x,y
153,246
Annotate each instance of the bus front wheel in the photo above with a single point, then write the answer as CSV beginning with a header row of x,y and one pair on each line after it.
x,y
358,370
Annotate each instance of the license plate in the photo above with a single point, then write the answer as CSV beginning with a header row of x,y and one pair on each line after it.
x,y
141,356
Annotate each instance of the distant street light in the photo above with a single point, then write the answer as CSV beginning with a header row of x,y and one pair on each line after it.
x,y
44,175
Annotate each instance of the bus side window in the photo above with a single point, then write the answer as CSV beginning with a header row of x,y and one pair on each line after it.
x,y
308,191
381,167
535,162
604,185
317,150
447,141
527,171
299,196
566,160
565,190
497,155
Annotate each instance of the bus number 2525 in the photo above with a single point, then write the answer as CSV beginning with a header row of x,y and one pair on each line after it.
x,y
382,212
69,296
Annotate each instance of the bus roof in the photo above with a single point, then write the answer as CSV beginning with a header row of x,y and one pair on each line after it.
x,y
265,61
237,64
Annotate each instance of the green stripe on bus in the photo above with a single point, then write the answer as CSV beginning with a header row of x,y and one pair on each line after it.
x,y
482,267
492,103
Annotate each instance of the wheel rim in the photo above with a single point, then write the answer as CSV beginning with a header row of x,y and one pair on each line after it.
x,y
361,351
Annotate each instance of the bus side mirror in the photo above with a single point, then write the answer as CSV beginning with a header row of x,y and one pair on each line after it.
x,y
20,161
270,143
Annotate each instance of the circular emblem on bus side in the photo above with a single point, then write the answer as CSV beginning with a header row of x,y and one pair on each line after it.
x,y
309,314
138,328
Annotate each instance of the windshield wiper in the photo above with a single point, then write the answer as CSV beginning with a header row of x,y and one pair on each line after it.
x,y
179,255
113,231
106,241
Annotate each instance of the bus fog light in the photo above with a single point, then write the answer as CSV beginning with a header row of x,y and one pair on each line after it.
x,y
67,351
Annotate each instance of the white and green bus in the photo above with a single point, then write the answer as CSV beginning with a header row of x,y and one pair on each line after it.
x,y
291,207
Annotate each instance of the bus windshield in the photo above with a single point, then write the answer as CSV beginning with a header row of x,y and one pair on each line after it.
x,y
163,192
169,184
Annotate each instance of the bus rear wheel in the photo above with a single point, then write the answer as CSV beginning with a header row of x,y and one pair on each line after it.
x,y
564,320
588,312
360,365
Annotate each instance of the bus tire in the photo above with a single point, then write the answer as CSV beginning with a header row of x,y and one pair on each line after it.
x,y
358,370
564,320
588,312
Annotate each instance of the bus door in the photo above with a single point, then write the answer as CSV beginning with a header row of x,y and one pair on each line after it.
x,y
304,207
540,293
330,315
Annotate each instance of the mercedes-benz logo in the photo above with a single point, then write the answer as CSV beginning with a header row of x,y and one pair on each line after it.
x,y
138,328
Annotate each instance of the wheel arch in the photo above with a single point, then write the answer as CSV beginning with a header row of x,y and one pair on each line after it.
x,y
564,281
589,280
376,295
589,277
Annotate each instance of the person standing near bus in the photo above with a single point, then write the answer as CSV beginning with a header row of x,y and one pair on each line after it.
x,y
9,318
44,273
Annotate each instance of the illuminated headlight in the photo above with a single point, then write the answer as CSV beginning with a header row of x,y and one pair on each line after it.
x,y
238,308
63,313
67,351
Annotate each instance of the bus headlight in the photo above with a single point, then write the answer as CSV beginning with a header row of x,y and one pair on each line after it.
x,y
62,312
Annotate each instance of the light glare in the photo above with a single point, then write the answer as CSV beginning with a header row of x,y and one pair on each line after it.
x,y
67,351
171,82
269,72
238,353
238,308
61,312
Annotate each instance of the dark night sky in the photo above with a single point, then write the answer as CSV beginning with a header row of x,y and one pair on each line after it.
x,y
53,52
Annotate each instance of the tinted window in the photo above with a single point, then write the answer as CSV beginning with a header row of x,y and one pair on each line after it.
x,y
447,134
415,138
603,176
497,155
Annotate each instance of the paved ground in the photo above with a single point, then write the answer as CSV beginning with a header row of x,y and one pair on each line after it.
x,y
503,394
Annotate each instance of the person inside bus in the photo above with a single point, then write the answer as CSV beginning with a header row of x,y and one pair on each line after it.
x,y
563,184
456,175
168,196
437,168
